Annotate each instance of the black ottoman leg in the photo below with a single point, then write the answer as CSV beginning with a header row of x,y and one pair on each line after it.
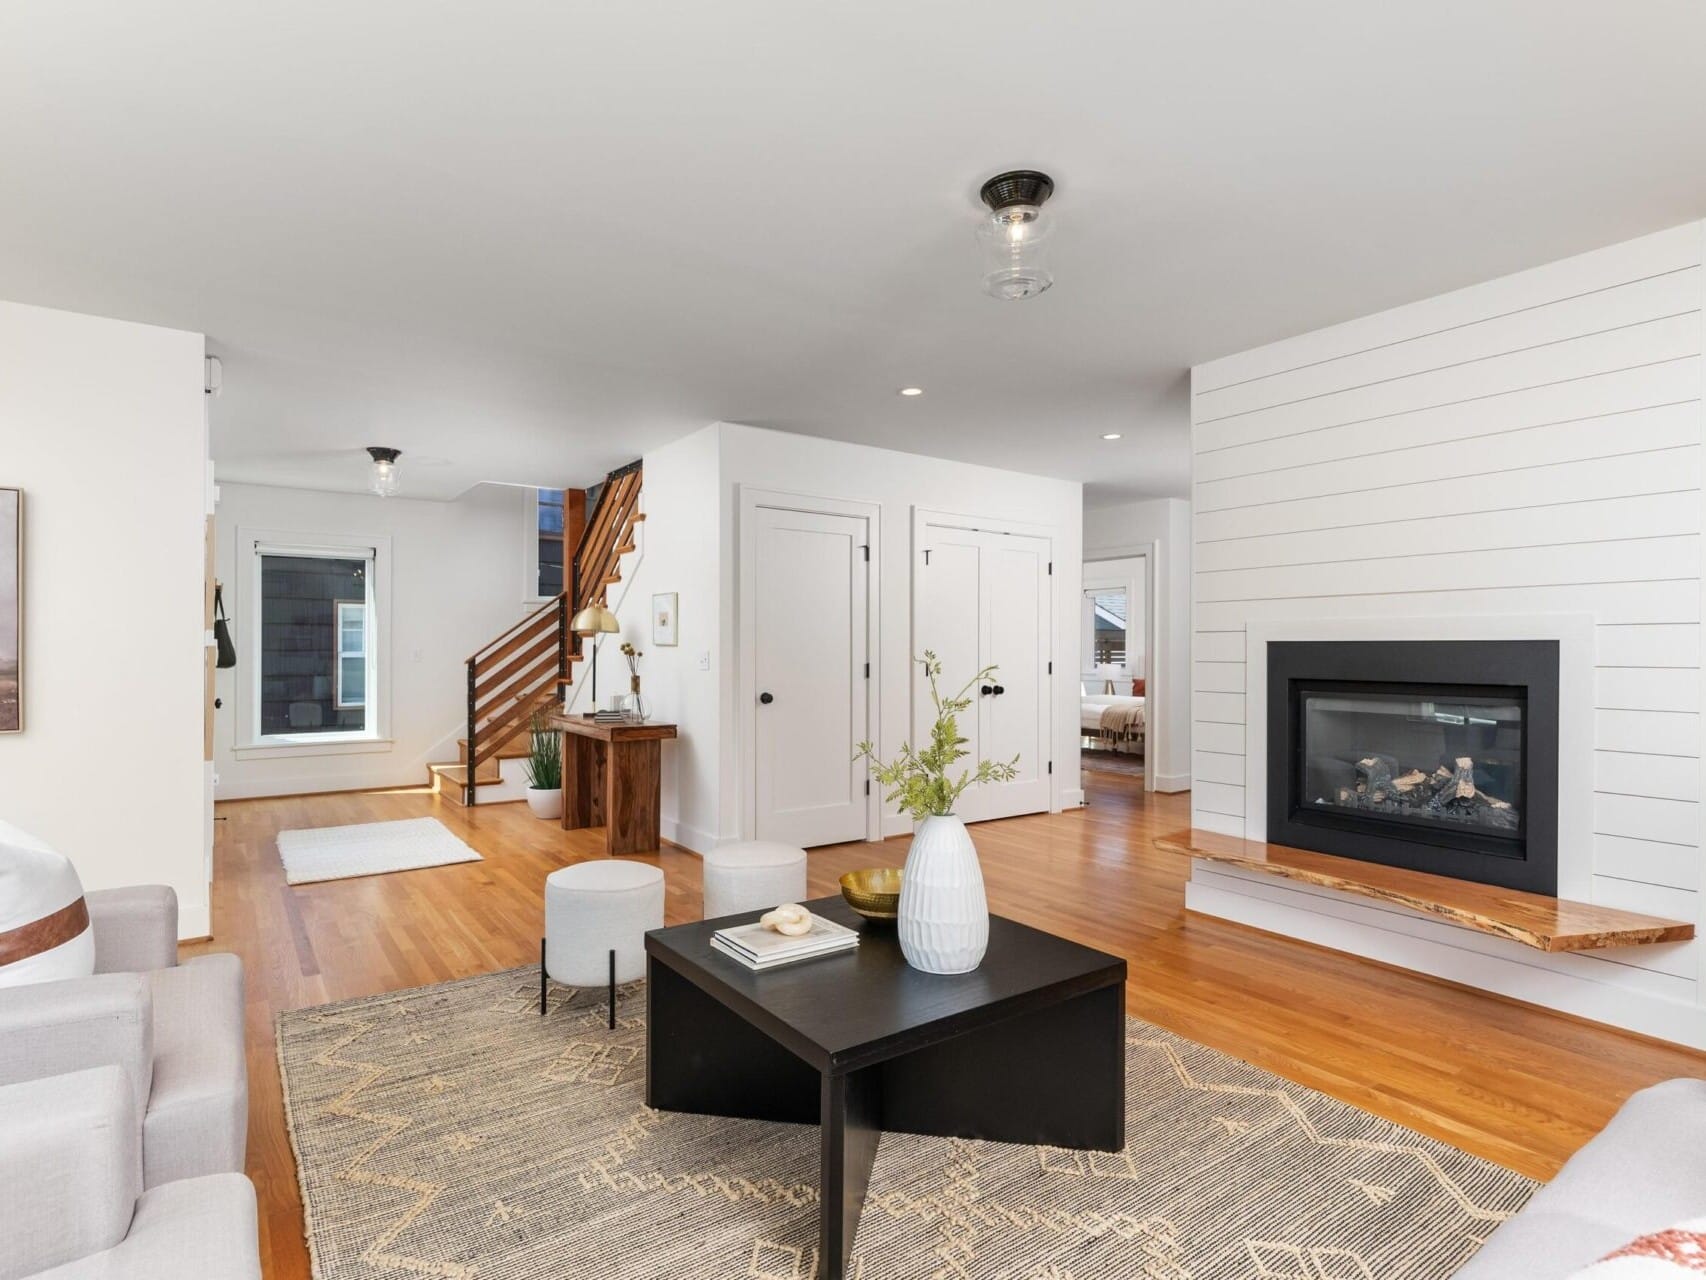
x,y
541,977
613,989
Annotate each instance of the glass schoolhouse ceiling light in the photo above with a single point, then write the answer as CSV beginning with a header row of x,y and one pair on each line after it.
x,y
384,479
1013,236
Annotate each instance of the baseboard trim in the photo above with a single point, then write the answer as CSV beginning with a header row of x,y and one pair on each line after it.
x,y
690,838
1172,782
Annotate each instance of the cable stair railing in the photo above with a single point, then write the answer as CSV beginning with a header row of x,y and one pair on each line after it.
x,y
531,665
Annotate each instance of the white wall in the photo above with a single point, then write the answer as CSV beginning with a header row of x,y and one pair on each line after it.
x,y
898,483
456,583
102,426
1530,446
1111,532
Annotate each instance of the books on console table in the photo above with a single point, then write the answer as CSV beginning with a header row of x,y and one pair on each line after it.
x,y
759,948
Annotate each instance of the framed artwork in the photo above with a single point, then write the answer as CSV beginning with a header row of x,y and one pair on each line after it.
x,y
664,606
11,609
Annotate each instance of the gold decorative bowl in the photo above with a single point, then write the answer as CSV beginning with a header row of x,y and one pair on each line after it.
x,y
874,892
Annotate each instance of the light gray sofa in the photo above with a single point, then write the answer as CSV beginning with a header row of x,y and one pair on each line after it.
x,y
176,1031
1646,1171
73,1201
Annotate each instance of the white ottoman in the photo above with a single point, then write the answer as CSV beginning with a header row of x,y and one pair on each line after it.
x,y
752,875
596,917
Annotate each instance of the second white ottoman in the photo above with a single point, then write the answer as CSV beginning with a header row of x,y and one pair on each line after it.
x,y
753,875
596,917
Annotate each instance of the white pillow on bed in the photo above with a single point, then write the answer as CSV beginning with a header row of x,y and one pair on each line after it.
x,y
36,883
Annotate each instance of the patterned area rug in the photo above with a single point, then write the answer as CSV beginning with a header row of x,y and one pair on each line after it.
x,y
451,1131
368,849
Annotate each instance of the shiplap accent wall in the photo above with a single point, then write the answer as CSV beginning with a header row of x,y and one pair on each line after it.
x,y
1528,446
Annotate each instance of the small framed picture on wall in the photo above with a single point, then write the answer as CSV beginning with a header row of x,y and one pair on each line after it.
x,y
11,610
664,606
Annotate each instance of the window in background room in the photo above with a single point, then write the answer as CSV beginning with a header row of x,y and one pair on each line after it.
x,y
549,507
315,670
1105,627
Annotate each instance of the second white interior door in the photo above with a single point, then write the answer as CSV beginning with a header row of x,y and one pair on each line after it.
x,y
983,600
808,577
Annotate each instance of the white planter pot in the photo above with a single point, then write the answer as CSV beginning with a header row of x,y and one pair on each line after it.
x,y
546,802
944,916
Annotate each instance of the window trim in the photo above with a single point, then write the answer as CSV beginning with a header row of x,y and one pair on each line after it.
x,y
245,606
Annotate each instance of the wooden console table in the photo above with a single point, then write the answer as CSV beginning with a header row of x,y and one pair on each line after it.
x,y
613,778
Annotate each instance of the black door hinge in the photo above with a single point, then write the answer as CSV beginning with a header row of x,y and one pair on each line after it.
x,y
1051,766
927,556
866,548
867,671
1051,668
1051,568
867,786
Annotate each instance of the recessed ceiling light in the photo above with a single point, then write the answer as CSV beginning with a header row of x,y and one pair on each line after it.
x,y
912,391
1110,435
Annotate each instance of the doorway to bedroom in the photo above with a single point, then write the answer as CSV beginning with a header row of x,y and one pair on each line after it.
x,y
1116,654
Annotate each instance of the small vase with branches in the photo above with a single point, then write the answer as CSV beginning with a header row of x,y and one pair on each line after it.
x,y
944,915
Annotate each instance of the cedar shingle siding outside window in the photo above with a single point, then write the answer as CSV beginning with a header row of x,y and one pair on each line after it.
x,y
299,643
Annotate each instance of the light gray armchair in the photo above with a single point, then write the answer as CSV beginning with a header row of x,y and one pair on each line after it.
x,y
75,1209
176,1032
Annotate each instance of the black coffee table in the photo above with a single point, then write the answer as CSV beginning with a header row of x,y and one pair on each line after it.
x,y
1028,1048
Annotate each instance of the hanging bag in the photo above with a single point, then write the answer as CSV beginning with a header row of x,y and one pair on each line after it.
x,y
222,631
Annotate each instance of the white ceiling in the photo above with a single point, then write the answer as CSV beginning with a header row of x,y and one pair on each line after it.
x,y
526,241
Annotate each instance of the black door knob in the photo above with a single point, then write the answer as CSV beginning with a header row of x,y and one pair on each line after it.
x,y
766,699
1000,689
986,690
218,703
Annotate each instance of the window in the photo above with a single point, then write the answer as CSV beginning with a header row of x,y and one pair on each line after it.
x,y
352,654
1107,610
549,532
311,634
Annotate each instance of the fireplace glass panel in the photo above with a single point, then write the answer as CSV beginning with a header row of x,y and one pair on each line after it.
x,y
1450,762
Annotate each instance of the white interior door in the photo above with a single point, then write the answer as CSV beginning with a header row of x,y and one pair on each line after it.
x,y
1015,712
984,599
808,580
950,625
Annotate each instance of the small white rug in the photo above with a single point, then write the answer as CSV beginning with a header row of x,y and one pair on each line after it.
x,y
368,849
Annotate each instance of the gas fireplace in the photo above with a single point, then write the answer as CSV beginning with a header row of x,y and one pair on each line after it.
x,y
1437,755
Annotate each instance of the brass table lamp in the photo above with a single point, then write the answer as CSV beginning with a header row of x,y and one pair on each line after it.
x,y
594,620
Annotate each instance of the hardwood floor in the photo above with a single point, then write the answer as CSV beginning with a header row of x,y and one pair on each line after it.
x,y
1514,1084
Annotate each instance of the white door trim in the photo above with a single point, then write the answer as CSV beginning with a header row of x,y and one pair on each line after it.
x,y
1155,705
749,500
922,518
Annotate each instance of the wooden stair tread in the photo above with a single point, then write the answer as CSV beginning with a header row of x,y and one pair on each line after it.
x,y
512,751
458,773
1546,924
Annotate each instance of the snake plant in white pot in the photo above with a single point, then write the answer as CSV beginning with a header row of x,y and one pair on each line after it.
x,y
944,915
544,770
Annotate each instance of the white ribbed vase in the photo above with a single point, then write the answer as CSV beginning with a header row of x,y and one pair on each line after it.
x,y
944,917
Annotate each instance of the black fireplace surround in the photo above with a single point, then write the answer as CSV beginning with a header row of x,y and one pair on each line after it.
x,y
1435,755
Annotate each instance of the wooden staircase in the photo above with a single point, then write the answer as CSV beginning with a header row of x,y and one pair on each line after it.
x,y
529,667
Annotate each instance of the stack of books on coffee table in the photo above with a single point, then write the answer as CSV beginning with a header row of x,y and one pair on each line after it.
x,y
759,948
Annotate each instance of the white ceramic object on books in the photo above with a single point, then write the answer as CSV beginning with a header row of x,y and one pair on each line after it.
x,y
944,916
546,802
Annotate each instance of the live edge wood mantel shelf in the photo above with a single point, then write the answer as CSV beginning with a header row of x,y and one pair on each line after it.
x,y
1547,924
